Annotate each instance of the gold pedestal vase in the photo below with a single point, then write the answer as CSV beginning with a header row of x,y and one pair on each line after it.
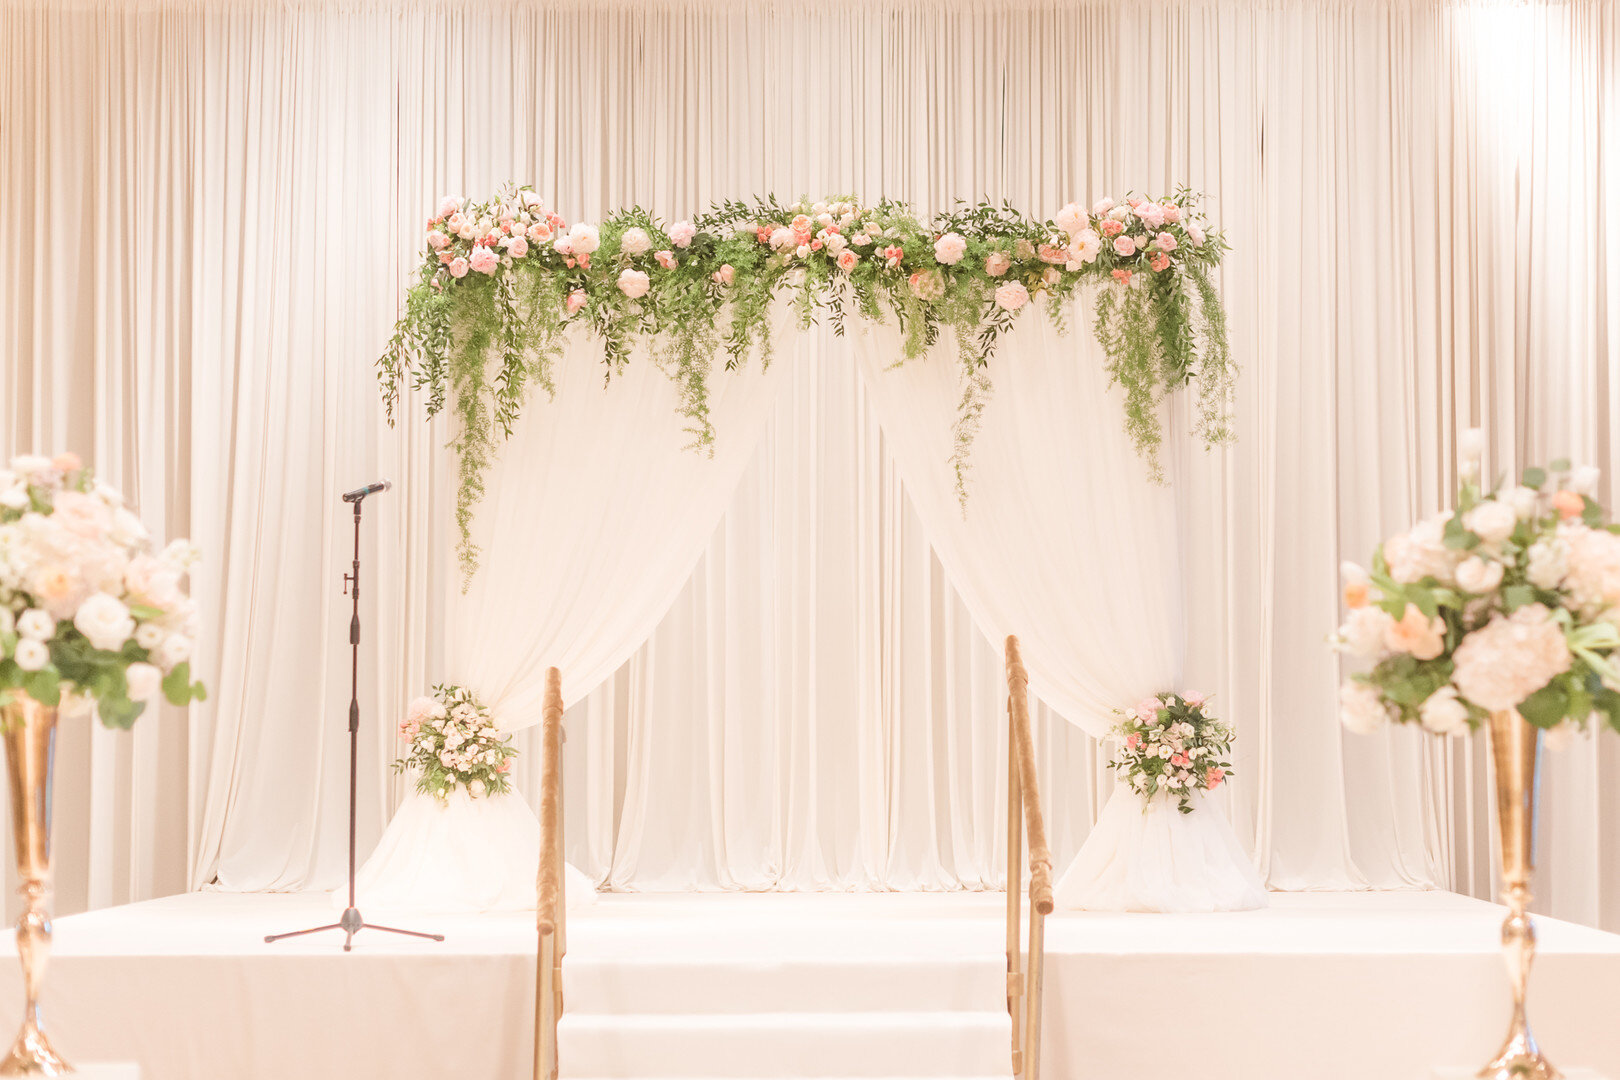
x,y
1514,744
29,730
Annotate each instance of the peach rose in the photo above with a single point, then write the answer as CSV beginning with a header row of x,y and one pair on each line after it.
x,y
1417,634
997,263
1568,504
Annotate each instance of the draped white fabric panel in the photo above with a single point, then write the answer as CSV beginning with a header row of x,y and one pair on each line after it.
x,y
594,518
210,213
1064,541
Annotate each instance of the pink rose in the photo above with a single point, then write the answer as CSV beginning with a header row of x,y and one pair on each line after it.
x,y
437,240
1196,234
1122,276
1196,698
1178,760
1159,262
724,275
458,267
576,300
1012,296
1164,242
517,247
1171,212
449,205
681,233
634,283
1213,776
666,259
1151,214
484,260
1052,253
539,232
456,223
1102,206
1112,228
1124,245
892,255
847,260
996,264
67,461
1133,201
1132,741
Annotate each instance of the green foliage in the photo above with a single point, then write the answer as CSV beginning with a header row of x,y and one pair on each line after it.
x,y
477,335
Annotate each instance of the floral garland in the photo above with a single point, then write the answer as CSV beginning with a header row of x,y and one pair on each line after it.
x,y
454,743
502,281
1510,601
89,612
1170,746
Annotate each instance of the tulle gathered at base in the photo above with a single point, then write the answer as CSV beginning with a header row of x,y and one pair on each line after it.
x,y
1155,858
457,856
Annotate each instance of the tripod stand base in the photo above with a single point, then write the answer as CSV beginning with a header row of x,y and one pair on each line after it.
x,y
351,924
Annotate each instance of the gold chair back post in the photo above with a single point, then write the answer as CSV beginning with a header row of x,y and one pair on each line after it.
x,y
1024,818
551,909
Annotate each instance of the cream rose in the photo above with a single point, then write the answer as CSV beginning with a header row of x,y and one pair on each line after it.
x,y
104,621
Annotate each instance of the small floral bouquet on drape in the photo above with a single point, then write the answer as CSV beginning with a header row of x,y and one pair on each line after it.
x,y
454,743
1507,602
1170,746
88,611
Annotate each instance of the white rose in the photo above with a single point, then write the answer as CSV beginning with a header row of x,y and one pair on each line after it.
x,y
32,655
1102,206
1361,708
1362,635
782,239
1165,752
1478,576
635,241
583,239
1443,714
1523,500
1548,562
1584,480
836,243
950,248
176,649
476,789
144,681
36,624
634,283
1071,218
1492,521
149,635
105,621
14,498
802,251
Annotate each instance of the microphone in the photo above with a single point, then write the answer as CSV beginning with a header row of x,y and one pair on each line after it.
x,y
370,489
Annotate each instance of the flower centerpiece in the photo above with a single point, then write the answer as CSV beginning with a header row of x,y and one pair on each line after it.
x,y
91,617
1170,746
454,743
1502,612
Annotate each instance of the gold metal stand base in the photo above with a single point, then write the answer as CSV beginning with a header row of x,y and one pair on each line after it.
x,y
33,1055
1520,1059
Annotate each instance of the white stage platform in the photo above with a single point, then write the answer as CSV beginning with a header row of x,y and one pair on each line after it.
x,y
1318,987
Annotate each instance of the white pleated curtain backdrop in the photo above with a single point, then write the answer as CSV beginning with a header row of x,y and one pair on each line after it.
x,y
213,212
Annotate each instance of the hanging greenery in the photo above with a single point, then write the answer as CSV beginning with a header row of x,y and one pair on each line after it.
x,y
503,281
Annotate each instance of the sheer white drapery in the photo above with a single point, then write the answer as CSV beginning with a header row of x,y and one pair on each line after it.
x,y
1063,539
230,198
596,512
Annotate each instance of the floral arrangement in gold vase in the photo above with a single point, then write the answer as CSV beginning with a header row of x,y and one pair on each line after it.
x,y
1503,613
92,618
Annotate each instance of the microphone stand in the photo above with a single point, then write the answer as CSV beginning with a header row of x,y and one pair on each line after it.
x,y
351,922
